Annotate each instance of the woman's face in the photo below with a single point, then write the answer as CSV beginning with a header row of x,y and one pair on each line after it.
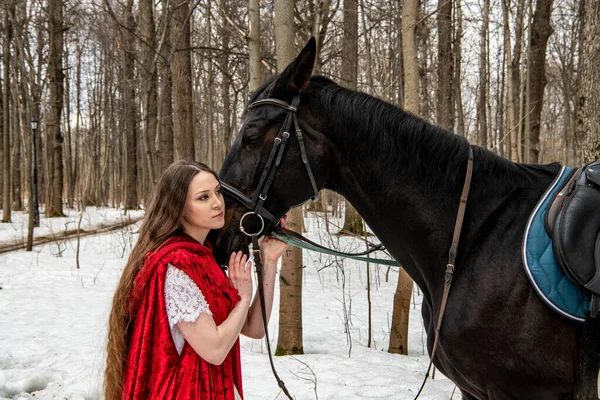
x,y
204,207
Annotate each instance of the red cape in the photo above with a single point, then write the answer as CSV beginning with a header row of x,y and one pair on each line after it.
x,y
154,370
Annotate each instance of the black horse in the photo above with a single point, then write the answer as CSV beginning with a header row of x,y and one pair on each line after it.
x,y
404,176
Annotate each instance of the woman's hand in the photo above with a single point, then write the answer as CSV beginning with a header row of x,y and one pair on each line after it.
x,y
271,249
240,274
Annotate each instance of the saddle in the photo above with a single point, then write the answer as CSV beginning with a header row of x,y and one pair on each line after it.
x,y
573,222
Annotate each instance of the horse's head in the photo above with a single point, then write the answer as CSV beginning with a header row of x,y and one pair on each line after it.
x,y
278,159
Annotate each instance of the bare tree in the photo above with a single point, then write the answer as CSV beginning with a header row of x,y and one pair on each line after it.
x,y
254,44
588,92
410,10
290,280
148,79
6,53
56,78
165,141
458,98
445,71
352,220
181,73
541,31
130,109
226,82
511,125
400,315
482,122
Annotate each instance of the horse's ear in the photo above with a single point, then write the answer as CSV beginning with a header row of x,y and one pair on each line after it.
x,y
296,75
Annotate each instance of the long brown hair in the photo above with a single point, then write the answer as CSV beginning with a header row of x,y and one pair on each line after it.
x,y
162,219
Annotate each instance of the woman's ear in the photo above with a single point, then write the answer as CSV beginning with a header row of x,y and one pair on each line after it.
x,y
296,75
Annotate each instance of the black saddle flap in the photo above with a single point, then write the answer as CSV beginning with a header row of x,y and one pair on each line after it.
x,y
576,233
557,203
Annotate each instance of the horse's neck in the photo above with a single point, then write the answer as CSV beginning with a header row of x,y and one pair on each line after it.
x,y
410,204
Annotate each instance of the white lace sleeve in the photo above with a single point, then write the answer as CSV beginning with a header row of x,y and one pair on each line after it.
x,y
184,302
183,298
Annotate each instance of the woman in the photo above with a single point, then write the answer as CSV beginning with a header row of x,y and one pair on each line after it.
x,y
176,317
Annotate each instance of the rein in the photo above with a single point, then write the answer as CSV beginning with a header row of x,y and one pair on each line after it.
x,y
261,295
295,239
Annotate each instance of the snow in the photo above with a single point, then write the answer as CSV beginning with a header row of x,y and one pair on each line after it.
x,y
53,321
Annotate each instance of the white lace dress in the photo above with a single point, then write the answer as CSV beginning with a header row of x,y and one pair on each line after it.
x,y
184,302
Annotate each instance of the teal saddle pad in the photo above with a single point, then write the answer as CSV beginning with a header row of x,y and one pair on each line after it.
x,y
554,287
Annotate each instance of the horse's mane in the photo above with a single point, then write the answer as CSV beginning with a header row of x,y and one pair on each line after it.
x,y
397,136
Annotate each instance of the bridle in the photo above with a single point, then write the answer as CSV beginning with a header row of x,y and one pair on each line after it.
x,y
256,204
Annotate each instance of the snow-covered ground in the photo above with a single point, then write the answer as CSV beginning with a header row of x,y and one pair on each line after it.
x,y
53,322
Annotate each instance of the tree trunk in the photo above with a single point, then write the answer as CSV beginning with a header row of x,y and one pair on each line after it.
x,y
1,139
399,328
511,126
131,111
445,71
225,35
499,131
290,280
460,116
75,170
56,84
165,141
181,72
541,31
16,194
517,71
423,34
410,10
482,122
588,91
68,148
401,312
149,86
6,54
349,74
290,340
254,44
210,111
352,220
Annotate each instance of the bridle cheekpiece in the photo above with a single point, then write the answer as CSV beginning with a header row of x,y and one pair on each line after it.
x,y
256,205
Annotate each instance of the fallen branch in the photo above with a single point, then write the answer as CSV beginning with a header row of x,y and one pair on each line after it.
x,y
20,244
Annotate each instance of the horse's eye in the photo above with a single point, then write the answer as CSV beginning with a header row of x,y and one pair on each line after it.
x,y
248,140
